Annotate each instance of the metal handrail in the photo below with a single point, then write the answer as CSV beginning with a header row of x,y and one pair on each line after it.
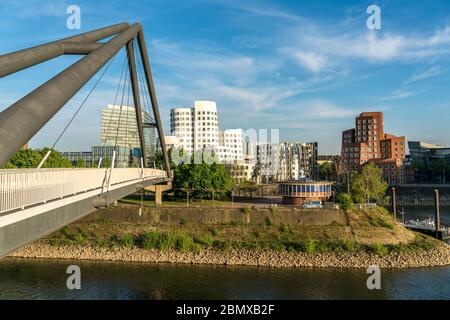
x,y
23,188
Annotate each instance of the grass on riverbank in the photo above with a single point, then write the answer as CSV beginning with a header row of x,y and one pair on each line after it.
x,y
283,238
371,230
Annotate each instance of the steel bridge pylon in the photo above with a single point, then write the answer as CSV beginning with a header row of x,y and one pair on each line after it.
x,y
22,120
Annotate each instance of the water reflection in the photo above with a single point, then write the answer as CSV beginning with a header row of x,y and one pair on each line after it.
x,y
42,279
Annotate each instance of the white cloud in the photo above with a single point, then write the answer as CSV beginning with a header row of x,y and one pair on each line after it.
x,y
323,109
255,8
428,73
399,94
316,48
310,60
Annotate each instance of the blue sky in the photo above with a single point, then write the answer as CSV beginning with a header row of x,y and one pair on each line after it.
x,y
304,67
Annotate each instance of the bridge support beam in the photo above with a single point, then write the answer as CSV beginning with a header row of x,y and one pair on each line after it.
x,y
21,121
19,60
158,191
154,101
136,99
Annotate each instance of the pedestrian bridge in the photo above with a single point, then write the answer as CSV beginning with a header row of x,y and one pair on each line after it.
x,y
36,202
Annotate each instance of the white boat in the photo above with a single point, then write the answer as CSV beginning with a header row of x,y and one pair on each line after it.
x,y
429,224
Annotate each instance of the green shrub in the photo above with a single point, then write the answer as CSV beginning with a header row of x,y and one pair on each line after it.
x,y
127,240
269,222
345,200
99,241
114,242
185,242
275,245
168,241
273,209
379,249
206,240
215,232
150,240
381,222
309,246
256,233
246,210
350,246
78,238
225,245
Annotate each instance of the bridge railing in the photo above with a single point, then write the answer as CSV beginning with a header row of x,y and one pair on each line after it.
x,y
23,188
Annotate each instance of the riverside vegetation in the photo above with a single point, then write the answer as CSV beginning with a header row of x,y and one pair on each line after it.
x,y
367,234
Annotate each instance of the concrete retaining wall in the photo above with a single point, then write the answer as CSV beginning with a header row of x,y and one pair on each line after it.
x,y
207,215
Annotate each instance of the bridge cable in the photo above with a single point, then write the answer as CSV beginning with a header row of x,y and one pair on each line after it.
x,y
125,85
76,112
107,133
115,100
126,124
145,92
145,95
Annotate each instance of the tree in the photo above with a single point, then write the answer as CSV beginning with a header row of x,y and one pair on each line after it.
x,y
367,184
202,180
106,163
29,158
54,160
26,158
345,200
9,165
81,163
326,171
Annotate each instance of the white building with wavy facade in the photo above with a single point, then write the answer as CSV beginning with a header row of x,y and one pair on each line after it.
x,y
197,129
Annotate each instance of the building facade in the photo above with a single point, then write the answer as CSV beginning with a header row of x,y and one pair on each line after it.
x,y
428,163
240,171
119,128
368,142
74,157
286,162
124,155
197,129
298,192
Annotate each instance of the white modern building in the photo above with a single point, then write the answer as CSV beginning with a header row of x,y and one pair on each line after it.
x,y
172,142
197,129
286,162
232,141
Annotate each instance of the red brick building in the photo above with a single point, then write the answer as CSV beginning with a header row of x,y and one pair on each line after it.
x,y
368,142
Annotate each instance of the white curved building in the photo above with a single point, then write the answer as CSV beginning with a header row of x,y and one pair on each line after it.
x,y
182,127
196,128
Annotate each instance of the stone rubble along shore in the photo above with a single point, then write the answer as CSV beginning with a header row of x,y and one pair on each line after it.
x,y
438,256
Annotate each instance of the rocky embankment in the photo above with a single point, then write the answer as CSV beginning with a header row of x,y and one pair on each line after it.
x,y
438,256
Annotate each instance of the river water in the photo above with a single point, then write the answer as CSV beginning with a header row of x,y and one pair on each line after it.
x,y
46,279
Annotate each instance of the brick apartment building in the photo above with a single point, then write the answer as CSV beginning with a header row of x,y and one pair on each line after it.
x,y
368,142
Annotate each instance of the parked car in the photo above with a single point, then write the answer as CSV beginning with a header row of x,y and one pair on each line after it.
x,y
316,204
